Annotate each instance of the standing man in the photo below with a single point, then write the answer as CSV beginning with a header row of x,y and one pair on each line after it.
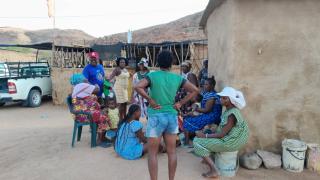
x,y
203,74
162,111
94,72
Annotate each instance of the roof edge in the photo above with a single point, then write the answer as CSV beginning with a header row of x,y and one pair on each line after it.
x,y
212,5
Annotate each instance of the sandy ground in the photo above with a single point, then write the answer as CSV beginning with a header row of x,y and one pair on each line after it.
x,y
35,144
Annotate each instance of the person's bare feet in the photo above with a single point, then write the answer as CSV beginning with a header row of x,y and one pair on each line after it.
x,y
211,174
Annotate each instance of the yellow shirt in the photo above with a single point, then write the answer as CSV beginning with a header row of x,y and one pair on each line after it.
x,y
114,117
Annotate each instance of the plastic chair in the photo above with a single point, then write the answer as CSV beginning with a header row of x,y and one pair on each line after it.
x,y
78,125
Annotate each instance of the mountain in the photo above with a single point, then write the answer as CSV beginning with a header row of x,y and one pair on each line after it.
x,y
186,28
9,35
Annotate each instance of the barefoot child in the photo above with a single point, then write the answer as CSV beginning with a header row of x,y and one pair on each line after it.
x,y
232,132
130,140
113,114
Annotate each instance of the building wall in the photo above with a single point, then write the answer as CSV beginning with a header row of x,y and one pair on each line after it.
x,y
220,41
275,61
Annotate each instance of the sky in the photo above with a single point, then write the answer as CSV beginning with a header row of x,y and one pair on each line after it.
x,y
96,17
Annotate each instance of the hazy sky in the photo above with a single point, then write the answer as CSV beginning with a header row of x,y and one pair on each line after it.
x,y
96,17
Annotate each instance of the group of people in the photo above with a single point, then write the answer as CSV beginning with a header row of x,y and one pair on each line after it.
x,y
170,102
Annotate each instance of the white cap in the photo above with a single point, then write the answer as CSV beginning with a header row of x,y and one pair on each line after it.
x,y
145,62
236,97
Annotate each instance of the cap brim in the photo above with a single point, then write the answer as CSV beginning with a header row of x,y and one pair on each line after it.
x,y
222,94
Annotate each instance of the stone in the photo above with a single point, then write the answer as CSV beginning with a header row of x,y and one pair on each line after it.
x,y
270,160
250,161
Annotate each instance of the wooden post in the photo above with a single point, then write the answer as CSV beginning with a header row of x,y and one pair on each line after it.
x,y
181,46
175,51
188,50
154,54
37,55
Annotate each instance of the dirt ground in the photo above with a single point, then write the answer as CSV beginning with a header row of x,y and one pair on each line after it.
x,y
35,144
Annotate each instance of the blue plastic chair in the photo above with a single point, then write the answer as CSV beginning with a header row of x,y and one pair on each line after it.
x,y
78,125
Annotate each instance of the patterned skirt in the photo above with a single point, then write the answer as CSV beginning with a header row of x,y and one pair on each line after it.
x,y
196,123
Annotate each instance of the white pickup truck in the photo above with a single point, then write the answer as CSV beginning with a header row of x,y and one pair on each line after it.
x,y
24,81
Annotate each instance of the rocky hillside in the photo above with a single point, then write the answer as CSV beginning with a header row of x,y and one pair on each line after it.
x,y
10,35
186,28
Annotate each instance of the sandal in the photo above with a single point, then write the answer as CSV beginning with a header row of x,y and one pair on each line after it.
x,y
105,144
208,175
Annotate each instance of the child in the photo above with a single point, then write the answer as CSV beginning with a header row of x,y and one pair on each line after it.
x,y
130,141
196,105
232,133
113,113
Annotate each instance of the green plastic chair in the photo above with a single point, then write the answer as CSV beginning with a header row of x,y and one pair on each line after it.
x,y
78,125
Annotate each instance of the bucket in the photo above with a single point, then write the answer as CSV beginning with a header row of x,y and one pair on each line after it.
x,y
313,157
227,163
293,155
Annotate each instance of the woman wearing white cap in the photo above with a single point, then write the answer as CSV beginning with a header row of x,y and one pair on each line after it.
x,y
137,77
192,78
232,132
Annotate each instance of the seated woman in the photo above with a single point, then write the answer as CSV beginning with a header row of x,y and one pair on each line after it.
x,y
130,141
231,135
84,99
209,112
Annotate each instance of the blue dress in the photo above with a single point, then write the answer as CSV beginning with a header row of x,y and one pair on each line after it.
x,y
196,123
127,144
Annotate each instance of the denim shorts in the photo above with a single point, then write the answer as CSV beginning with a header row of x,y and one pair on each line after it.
x,y
160,123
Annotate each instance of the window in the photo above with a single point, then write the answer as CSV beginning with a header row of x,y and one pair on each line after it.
x,y
37,71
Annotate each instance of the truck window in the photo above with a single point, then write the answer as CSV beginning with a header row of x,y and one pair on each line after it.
x,y
40,71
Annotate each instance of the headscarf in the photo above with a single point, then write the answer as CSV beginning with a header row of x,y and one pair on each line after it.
x,y
236,97
145,62
76,79
83,90
188,65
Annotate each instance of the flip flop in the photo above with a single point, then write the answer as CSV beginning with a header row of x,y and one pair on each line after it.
x,y
205,175
105,144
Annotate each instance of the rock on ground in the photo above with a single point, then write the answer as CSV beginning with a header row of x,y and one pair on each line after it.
x,y
269,159
250,161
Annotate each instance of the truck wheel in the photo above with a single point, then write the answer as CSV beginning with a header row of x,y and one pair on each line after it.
x,y
2,104
34,98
